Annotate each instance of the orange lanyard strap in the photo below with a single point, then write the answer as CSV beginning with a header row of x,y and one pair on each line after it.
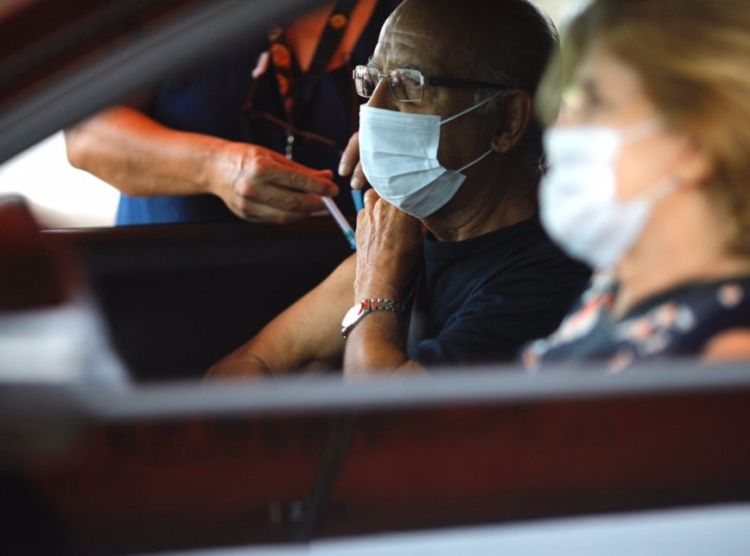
x,y
295,86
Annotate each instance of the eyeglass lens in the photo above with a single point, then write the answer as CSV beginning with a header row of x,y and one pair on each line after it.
x,y
405,84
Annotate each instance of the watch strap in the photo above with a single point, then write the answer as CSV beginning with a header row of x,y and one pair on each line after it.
x,y
379,304
370,305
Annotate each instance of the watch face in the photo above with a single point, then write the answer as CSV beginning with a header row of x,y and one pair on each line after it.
x,y
352,315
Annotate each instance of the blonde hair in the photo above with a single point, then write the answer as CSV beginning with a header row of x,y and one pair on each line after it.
x,y
693,59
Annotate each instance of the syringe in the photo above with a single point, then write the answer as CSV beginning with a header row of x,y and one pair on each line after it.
x,y
342,222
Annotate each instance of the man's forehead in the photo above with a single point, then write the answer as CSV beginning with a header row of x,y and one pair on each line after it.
x,y
405,46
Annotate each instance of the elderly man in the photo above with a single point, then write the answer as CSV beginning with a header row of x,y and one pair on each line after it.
x,y
449,143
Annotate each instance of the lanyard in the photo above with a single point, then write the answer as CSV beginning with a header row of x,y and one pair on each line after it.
x,y
296,87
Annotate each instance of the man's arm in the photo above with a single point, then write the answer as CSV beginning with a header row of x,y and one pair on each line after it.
x,y
389,244
306,333
138,156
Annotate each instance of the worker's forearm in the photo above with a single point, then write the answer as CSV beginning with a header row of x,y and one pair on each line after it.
x,y
138,156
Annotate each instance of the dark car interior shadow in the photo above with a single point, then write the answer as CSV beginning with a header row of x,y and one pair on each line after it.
x,y
178,297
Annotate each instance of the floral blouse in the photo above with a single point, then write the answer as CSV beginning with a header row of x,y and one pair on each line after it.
x,y
677,323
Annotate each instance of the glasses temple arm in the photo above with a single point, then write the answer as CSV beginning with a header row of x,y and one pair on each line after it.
x,y
463,83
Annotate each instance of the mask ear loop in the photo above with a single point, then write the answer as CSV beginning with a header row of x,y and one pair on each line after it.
x,y
463,113
475,161
661,190
635,133
471,108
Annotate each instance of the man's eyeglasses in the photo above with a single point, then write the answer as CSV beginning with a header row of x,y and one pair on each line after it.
x,y
407,85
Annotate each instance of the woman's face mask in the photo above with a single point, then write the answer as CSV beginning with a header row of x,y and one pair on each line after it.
x,y
399,155
579,206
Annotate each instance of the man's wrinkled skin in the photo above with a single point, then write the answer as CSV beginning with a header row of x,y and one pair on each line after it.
x,y
420,34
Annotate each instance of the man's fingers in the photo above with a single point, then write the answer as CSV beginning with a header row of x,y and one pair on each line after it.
x,y
371,197
359,181
350,164
350,158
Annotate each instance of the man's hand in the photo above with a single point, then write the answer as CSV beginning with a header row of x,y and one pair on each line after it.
x,y
389,244
350,164
262,185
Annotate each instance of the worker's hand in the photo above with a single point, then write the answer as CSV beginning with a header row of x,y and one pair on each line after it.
x,y
259,184
350,164
389,247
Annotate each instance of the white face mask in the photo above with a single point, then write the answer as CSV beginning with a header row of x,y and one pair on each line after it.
x,y
579,207
399,155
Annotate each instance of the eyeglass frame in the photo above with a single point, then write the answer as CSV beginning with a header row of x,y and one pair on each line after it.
x,y
448,82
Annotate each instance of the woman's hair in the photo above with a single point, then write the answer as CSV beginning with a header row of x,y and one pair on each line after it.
x,y
693,60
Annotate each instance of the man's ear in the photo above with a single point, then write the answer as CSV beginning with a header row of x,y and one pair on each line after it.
x,y
513,118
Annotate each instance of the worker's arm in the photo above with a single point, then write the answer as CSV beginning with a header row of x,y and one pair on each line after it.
x,y
139,156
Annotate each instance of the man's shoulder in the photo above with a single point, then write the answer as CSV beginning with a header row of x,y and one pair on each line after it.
x,y
535,249
529,249
534,264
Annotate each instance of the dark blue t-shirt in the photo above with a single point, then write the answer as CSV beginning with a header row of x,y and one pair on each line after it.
x,y
213,101
488,296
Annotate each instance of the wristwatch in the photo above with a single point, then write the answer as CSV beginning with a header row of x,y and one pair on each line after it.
x,y
360,310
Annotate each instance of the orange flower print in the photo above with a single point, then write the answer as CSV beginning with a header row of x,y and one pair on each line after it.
x,y
620,361
338,21
281,56
730,295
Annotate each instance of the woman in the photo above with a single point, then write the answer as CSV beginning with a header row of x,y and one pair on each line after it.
x,y
649,181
